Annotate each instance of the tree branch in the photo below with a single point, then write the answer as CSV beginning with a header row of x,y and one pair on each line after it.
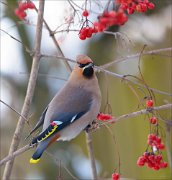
x,y
14,154
153,52
143,111
91,154
52,35
30,91
130,80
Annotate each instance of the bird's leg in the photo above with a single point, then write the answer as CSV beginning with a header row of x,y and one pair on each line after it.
x,y
94,125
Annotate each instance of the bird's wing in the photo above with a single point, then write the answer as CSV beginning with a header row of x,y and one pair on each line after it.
x,y
56,125
39,123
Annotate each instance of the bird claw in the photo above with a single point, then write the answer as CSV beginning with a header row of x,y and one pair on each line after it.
x,y
91,127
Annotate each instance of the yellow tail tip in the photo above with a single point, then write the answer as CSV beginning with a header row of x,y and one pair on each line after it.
x,y
34,161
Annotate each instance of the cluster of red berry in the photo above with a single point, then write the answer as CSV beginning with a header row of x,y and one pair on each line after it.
x,y
104,117
155,142
115,176
20,11
135,5
86,32
152,161
110,18
107,19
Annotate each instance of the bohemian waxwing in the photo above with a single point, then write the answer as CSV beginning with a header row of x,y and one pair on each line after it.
x,y
72,109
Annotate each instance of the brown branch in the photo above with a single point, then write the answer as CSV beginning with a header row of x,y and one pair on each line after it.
x,y
91,154
131,57
123,77
13,110
14,154
143,111
29,94
52,35
14,38
45,75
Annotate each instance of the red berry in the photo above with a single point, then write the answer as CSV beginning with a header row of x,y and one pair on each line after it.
x,y
104,20
141,161
149,103
115,176
112,14
104,117
158,140
151,158
23,6
130,10
20,14
133,5
82,36
89,32
124,6
84,31
153,120
143,7
95,30
146,155
138,8
17,12
150,5
30,5
150,165
152,137
158,158
161,146
156,167
85,13
163,164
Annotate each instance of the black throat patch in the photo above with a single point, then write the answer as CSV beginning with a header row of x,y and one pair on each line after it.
x,y
88,72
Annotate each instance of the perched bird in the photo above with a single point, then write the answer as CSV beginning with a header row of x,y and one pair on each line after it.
x,y
72,109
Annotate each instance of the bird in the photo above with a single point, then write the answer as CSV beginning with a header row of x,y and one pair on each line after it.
x,y
72,109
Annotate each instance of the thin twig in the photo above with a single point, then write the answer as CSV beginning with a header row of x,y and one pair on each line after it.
x,y
30,91
131,57
143,111
45,75
52,35
13,110
91,154
58,160
99,68
14,154
14,38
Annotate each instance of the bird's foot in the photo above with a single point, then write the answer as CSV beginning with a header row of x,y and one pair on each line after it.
x,y
91,127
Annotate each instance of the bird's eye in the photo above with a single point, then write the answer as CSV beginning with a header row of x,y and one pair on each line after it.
x,y
83,65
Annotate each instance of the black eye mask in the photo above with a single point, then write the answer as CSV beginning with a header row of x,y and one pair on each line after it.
x,y
83,65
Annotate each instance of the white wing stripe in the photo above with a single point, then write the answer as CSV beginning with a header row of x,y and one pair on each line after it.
x,y
73,118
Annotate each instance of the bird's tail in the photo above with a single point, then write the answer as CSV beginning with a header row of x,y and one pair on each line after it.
x,y
39,151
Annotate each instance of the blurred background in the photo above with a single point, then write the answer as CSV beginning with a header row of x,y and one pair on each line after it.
x,y
153,29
